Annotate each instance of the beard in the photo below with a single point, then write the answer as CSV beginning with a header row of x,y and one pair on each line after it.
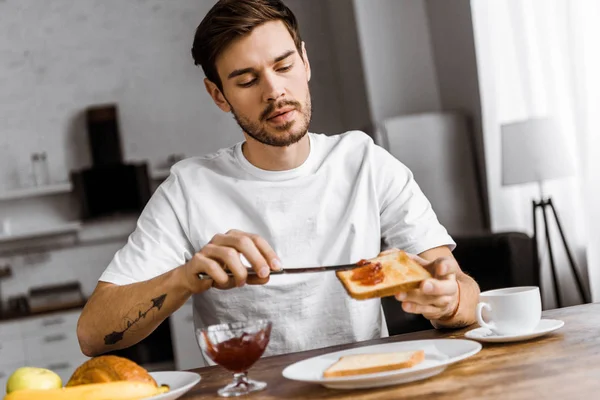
x,y
286,134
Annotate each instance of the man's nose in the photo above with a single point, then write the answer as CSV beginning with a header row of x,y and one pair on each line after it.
x,y
273,88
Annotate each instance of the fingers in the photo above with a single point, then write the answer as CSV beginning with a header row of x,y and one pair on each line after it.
x,y
428,311
231,283
227,256
267,252
224,252
434,298
430,290
441,268
423,262
437,287
444,267
200,263
436,301
256,250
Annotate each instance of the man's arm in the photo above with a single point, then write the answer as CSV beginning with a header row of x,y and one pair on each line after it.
x,y
116,316
448,299
469,289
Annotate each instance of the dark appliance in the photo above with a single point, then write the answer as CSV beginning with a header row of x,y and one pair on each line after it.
x,y
110,186
104,135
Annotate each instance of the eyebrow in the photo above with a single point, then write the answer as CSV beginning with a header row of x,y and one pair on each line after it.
x,y
243,71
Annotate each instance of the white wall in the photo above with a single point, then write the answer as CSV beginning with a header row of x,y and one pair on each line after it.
x,y
397,57
58,57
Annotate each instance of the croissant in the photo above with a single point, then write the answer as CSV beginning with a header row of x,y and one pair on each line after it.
x,y
109,369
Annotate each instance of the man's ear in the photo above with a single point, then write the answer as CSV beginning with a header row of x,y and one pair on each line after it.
x,y
306,62
216,95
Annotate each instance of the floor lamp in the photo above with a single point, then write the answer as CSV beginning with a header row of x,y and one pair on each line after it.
x,y
534,151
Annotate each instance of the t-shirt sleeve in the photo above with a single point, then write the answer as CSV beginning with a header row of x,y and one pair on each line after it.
x,y
159,242
408,221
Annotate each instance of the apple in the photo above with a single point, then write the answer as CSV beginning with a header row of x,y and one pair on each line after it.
x,y
32,378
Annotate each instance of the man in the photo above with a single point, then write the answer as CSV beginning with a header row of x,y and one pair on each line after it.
x,y
283,198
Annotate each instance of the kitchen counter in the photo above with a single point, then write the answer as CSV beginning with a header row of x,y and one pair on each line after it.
x,y
15,316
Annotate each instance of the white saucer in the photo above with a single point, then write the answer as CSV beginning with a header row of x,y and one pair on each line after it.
x,y
485,335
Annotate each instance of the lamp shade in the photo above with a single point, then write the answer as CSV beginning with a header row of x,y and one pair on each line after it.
x,y
534,151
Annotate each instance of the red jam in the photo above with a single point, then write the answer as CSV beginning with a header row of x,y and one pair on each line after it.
x,y
368,273
238,354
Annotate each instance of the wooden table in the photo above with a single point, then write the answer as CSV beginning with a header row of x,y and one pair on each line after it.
x,y
562,365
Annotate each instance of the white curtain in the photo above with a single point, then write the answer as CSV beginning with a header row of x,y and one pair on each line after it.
x,y
542,58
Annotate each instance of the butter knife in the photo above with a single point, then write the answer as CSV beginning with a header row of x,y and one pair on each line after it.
x,y
203,275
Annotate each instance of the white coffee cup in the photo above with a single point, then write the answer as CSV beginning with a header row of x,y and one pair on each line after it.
x,y
510,311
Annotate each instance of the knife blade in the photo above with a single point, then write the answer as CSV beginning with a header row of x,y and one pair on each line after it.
x,y
203,275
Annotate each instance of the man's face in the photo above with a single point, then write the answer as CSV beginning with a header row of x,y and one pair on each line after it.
x,y
265,85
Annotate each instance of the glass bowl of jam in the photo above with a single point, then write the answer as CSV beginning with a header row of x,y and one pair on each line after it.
x,y
236,347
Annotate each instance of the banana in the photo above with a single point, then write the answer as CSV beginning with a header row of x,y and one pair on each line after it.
x,y
121,390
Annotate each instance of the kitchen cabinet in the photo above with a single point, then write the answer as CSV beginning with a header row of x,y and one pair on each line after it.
x,y
11,351
9,329
48,341
12,355
21,220
36,191
186,351
52,345
40,233
57,322
5,371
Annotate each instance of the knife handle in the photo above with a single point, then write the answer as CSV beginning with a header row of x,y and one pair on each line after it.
x,y
205,276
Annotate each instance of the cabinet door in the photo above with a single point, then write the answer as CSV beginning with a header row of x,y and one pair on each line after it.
x,y
11,351
50,324
5,372
185,347
53,344
10,330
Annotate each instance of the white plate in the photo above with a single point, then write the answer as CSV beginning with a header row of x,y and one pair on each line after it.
x,y
439,353
544,327
179,383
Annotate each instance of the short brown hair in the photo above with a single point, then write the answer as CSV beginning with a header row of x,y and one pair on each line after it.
x,y
231,19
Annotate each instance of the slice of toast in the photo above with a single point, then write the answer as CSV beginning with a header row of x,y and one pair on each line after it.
x,y
399,273
359,364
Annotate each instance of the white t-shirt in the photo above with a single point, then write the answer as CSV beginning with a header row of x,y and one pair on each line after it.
x,y
349,200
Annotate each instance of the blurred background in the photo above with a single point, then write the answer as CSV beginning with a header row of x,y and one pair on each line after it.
x,y
493,105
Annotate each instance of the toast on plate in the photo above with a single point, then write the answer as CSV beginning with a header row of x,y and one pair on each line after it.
x,y
385,275
358,364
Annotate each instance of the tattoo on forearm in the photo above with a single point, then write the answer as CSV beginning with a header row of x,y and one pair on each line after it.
x,y
116,336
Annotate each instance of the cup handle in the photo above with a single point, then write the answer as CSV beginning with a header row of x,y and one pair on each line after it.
x,y
478,311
